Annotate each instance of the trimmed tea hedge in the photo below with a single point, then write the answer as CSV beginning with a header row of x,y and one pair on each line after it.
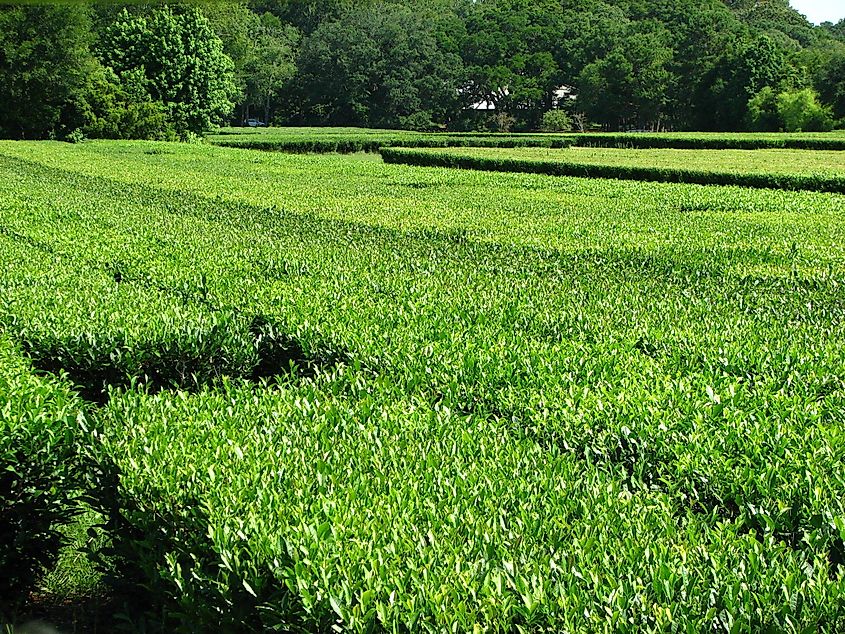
x,y
375,143
692,141
563,167
368,144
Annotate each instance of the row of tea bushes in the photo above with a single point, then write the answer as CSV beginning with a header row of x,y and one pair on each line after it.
x,y
570,164
373,143
350,140
42,426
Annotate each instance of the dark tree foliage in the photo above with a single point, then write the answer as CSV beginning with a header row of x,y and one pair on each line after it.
x,y
836,30
830,80
263,49
307,15
656,64
509,52
777,19
588,32
44,55
630,86
383,66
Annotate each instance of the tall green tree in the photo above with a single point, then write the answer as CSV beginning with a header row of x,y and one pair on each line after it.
x,y
509,55
749,65
700,34
263,49
383,66
181,61
830,80
629,87
273,62
236,25
589,30
44,62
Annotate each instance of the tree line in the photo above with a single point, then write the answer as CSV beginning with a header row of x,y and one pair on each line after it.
x,y
164,71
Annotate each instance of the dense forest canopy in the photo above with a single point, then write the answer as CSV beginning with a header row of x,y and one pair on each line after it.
x,y
174,70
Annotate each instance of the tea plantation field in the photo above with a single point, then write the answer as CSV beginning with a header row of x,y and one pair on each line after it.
x,y
317,393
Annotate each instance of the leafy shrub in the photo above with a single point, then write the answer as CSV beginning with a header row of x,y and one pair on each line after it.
x,y
556,121
115,107
791,111
180,61
192,137
77,136
802,112
502,122
417,121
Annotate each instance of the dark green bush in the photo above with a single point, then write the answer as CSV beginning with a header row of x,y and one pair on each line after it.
x,y
763,115
556,121
118,108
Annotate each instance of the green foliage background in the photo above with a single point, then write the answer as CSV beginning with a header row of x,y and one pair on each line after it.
x,y
161,70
